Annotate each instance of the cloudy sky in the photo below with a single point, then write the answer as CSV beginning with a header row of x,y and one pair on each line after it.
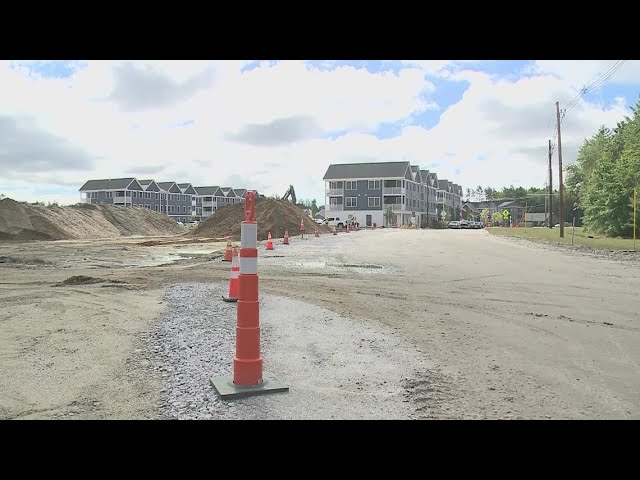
x,y
268,124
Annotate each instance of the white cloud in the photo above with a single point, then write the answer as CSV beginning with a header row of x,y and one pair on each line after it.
x,y
506,121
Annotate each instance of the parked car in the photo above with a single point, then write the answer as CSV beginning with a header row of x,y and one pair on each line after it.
x,y
454,224
465,224
566,224
319,221
334,222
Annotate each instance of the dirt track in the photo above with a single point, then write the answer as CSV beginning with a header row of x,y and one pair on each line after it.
x,y
510,330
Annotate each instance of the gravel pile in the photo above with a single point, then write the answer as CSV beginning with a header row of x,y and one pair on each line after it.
x,y
336,368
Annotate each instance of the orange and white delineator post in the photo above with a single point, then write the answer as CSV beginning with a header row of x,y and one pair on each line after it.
x,y
302,228
234,280
348,230
285,240
269,242
335,230
228,253
247,364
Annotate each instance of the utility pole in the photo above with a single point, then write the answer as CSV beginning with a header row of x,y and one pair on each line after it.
x,y
561,189
550,203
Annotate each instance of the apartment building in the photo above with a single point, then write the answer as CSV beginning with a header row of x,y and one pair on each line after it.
x,y
387,193
209,198
181,201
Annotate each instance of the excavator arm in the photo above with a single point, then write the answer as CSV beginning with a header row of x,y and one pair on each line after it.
x,y
290,193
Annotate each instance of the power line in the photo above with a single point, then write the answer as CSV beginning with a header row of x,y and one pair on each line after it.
x,y
598,81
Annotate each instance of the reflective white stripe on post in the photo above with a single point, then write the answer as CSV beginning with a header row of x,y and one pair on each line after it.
x,y
249,265
234,273
248,235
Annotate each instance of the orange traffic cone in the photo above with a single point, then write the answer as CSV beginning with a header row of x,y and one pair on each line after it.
x,y
317,232
228,252
335,231
285,241
269,242
302,228
234,286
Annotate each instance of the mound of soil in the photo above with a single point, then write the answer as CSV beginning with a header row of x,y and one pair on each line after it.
x,y
273,216
85,280
20,221
22,261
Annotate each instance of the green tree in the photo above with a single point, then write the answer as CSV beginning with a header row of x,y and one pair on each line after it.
x,y
490,193
314,207
496,218
484,214
607,171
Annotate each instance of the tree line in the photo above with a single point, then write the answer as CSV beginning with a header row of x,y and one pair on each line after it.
x,y
605,174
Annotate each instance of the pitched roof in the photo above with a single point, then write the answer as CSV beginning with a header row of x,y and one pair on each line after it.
x,y
186,188
165,185
366,170
169,187
240,192
510,203
107,184
415,171
149,185
443,184
210,190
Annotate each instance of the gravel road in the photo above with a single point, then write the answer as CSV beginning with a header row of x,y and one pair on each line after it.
x,y
335,367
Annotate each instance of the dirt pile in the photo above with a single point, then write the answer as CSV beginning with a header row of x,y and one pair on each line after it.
x,y
85,280
20,221
271,215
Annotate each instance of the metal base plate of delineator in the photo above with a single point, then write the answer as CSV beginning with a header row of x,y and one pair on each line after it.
x,y
229,300
227,390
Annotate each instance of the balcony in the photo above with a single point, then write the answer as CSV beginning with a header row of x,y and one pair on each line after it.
x,y
121,199
207,204
335,191
335,208
392,190
395,207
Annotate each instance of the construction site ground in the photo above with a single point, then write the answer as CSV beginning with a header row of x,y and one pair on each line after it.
x,y
374,324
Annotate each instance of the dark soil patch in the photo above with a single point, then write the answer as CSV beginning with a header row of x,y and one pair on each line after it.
x,y
85,280
22,261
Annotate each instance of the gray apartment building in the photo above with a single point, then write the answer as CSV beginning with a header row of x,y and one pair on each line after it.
x,y
369,190
181,201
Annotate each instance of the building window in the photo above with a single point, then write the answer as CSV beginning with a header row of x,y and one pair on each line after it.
x,y
374,184
352,202
374,201
350,185
335,185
